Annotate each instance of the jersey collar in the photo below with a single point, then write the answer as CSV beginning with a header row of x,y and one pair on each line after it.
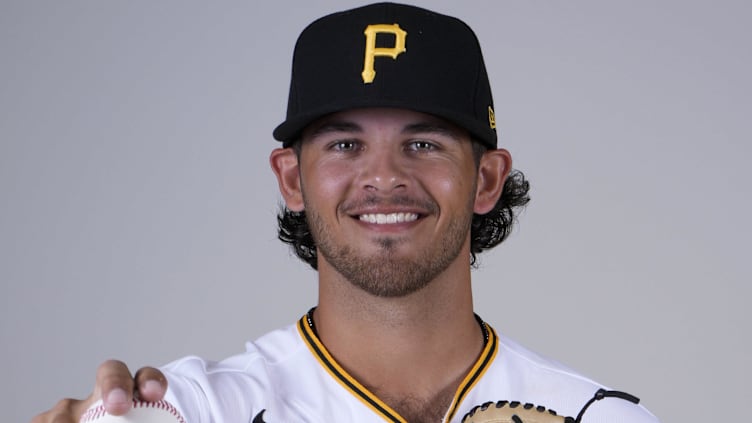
x,y
307,331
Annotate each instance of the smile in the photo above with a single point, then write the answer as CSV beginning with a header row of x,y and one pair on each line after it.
x,y
390,218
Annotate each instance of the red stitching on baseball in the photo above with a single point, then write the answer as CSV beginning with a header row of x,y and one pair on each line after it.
x,y
97,412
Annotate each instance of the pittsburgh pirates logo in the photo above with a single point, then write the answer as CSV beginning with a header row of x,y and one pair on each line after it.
x,y
372,51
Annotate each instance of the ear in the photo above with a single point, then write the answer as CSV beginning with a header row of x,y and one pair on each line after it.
x,y
494,167
284,162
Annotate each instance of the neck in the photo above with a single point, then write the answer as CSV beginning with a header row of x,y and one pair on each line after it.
x,y
394,346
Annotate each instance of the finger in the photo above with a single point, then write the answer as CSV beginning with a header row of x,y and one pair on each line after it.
x,y
62,412
115,386
151,384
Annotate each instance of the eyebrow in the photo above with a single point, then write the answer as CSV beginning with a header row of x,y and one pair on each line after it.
x,y
336,126
410,129
431,128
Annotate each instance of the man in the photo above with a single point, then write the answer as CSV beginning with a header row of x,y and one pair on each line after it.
x,y
392,182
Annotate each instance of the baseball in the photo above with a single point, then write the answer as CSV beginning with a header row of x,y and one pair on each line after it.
x,y
141,412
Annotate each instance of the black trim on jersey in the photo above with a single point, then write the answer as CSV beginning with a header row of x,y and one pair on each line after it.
x,y
308,331
367,397
488,354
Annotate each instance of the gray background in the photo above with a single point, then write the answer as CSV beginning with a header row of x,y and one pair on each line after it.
x,y
137,206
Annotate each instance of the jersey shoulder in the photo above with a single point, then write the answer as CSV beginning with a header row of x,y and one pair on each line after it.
x,y
520,374
238,387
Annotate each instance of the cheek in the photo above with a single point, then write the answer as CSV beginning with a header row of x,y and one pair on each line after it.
x,y
453,186
324,181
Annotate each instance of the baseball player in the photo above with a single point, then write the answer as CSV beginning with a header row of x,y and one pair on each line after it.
x,y
393,182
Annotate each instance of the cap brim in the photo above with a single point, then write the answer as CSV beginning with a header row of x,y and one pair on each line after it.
x,y
291,129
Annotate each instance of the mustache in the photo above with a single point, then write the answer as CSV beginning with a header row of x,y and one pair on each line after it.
x,y
395,200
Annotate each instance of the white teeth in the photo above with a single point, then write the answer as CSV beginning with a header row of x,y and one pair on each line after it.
x,y
380,218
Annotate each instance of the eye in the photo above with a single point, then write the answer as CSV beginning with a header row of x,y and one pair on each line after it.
x,y
421,145
344,145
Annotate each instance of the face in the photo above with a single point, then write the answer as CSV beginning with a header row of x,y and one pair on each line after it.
x,y
389,196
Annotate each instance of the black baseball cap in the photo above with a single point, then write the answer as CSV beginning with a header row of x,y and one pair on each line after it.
x,y
389,55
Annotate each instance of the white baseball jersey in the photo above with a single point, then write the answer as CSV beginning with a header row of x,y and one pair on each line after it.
x,y
288,376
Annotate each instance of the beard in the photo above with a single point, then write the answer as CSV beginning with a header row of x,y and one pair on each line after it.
x,y
386,273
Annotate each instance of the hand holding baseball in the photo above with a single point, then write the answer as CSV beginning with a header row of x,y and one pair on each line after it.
x,y
116,387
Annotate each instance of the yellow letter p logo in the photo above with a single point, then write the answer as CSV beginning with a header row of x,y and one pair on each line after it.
x,y
372,51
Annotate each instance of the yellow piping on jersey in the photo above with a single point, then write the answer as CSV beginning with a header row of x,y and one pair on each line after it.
x,y
340,375
476,373
362,393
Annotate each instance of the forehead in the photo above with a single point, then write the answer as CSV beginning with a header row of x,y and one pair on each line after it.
x,y
367,120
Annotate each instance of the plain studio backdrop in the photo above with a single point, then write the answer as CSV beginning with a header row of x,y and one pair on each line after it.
x,y
137,214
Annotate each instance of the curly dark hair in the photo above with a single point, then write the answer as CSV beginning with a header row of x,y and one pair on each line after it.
x,y
487,230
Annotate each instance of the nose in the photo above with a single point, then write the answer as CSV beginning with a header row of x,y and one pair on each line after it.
x,y
383,171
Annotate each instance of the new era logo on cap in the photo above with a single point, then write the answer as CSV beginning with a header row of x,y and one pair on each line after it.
x,y
389,55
